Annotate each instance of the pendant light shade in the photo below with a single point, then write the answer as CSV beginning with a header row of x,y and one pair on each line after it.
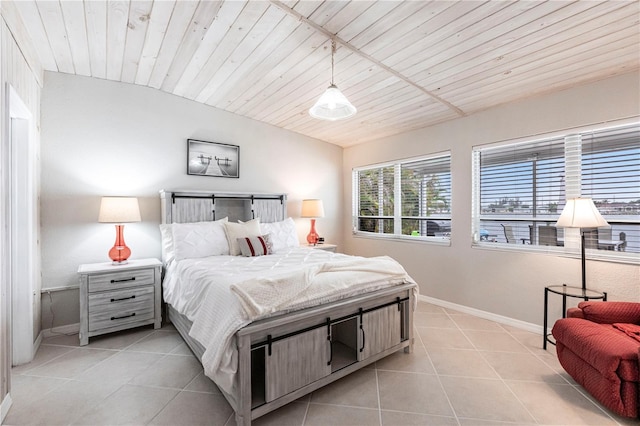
x,y
332,105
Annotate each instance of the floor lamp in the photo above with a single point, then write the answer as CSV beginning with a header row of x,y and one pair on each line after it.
x,y
581,213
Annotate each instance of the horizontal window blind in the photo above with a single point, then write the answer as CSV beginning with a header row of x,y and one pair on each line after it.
x,y
611,169
520,189
408,197
610,164
376,200
426,194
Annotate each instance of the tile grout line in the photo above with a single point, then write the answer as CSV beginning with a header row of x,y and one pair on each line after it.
x,y
306,411
444,391
535,419
117,352
529,351
378,395
577,387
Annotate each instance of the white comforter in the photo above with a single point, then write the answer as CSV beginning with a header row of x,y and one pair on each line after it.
x,y
221,294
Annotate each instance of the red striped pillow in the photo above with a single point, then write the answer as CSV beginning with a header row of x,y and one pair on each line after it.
x,y
259,245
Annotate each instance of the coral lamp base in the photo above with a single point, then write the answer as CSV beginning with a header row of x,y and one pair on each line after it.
x,y
119,253
313,236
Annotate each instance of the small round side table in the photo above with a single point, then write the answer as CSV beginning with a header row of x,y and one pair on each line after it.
x,y
566,291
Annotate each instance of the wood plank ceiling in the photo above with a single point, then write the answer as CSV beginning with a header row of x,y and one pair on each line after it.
x,y
404,65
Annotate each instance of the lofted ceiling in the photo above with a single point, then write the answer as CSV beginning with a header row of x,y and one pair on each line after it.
x,y
404,64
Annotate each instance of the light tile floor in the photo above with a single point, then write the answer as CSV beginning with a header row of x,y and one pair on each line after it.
x,y
464,371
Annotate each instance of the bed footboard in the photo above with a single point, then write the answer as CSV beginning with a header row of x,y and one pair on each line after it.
x,y
284,358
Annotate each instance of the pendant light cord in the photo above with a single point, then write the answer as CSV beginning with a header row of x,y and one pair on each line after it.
x,y
333,51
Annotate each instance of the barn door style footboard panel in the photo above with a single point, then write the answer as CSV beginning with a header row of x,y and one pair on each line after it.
x,y
282,359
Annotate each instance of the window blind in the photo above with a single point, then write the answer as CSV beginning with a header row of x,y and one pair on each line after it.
x,y
610,162
426,194
376,200
408,197
521,187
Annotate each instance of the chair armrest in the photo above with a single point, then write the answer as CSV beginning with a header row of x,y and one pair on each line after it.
x,y
610,312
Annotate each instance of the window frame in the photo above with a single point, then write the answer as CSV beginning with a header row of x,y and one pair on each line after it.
x,y
572,187
397,207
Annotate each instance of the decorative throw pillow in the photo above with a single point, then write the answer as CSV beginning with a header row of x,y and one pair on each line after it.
x,y
240,230
283,234
199,239
255,246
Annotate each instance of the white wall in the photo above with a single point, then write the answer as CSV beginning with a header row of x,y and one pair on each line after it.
x,y
501,282
106,138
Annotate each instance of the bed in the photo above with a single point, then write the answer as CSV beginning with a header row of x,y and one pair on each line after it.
x,y
269,329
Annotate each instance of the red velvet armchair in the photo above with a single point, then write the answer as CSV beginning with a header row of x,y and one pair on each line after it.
x,y
598,344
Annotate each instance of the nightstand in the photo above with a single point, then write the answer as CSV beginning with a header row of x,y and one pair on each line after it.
x,y
325,247
117,297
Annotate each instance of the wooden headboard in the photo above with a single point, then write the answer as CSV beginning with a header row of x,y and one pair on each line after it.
x,y
186,206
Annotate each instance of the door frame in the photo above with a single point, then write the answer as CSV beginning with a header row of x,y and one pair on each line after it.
x,y
21,208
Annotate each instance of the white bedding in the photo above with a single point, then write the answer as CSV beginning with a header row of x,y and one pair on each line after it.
x,y
201,289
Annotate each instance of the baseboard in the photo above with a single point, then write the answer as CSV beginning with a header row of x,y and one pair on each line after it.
x,y
4,408
63,329
527,326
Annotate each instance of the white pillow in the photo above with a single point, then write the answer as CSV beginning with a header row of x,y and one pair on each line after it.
x,y
166,233
283,234
240,230
199,239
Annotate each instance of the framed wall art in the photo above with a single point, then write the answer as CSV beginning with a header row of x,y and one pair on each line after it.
x,y
212,159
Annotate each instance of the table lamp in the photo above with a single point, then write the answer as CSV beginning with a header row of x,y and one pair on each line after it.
x,y
581,213
312,209
119,210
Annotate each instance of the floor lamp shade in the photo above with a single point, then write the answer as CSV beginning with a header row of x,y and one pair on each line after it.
x,y
581,213
119,210
312,209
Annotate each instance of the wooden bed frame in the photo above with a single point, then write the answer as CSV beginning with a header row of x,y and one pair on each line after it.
x,y
288,356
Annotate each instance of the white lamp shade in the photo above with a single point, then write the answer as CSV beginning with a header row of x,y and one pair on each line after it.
x,y
119,210
312,208
580,213
332,106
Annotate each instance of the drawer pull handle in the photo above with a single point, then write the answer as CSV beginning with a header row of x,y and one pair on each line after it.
x,y
124,298
124,280
126,316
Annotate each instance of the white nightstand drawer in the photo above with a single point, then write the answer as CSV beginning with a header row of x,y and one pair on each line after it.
x,y
106,320
114,301
123,279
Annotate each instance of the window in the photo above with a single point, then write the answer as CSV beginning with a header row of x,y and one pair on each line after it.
x,y
610,163
409,198
520,188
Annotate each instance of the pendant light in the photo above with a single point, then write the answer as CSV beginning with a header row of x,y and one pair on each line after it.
x,y
332,105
